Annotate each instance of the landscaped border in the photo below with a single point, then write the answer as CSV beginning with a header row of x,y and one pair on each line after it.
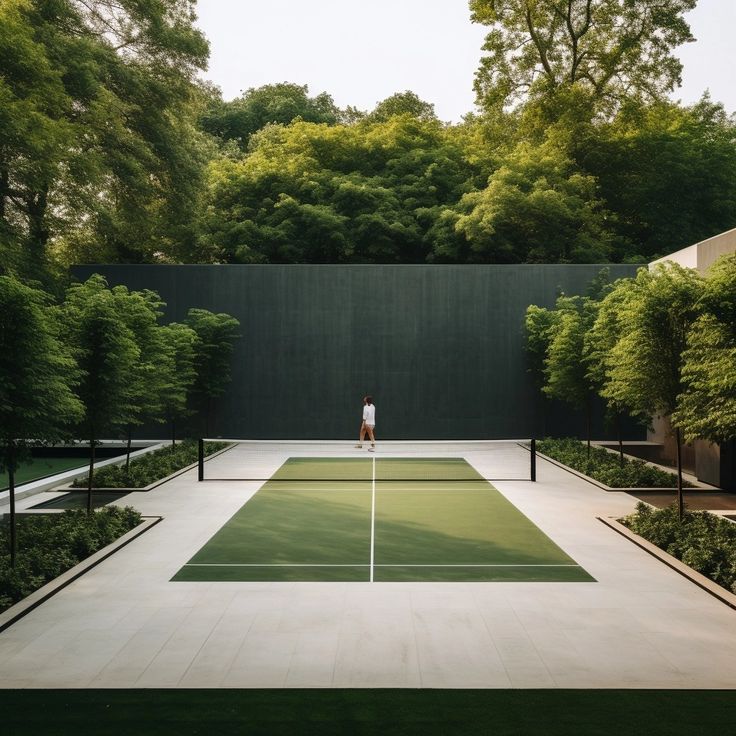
x,y
699,579
35,599
76,489
696,485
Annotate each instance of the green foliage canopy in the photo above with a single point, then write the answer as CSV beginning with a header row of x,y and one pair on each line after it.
x,y
282,103
613,50
37,370
106,353
99,153
646,361
707,405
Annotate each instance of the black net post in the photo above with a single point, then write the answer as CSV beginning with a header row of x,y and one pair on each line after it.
x,y
200,460
534,460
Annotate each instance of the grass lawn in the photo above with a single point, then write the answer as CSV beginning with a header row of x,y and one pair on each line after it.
x,y
440,522
40,467
386,712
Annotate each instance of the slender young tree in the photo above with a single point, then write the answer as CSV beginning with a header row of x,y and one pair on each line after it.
x,y
179,341
140,310
707,405
598,345
37,376
564,369
647,361
107,355
213,349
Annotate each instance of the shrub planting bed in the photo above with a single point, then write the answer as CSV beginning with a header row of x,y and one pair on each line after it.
x,y
50,544
150,467
605,466
703,541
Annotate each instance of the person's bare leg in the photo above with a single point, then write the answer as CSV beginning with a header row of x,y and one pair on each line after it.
x,y
361,436
372,436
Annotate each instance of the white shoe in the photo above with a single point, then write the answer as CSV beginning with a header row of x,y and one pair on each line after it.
x,y
371,449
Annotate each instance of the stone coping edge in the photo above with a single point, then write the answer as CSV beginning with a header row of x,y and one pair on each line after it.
x,y
644,489
48,483
150,486
699,579
35,599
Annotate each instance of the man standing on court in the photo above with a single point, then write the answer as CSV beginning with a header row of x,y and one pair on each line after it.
x,y
369,423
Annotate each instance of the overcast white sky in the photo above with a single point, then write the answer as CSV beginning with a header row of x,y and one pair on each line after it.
x,y
361,52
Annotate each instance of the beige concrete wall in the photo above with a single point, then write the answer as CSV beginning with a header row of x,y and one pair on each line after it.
x,y
704,254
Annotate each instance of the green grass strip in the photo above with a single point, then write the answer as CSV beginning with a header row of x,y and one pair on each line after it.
x,y
41,467
388,712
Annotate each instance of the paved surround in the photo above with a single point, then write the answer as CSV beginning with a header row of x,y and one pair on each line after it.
x,y
124,624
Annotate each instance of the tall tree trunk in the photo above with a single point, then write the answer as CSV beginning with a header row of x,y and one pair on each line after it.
x,y
4,186
587,421
680,500
11,498
38,231
173,432
91,470
127,449
620,439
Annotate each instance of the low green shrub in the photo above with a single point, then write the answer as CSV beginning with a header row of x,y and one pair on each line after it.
x,y
605,466
703,541
150,467
50,544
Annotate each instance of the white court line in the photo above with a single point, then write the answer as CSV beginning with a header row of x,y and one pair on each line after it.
x,y
309,564
264,564
373,517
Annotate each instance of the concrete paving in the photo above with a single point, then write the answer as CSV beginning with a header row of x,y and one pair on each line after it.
x,y
124,624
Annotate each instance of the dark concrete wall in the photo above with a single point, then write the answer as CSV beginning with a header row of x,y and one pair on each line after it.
x,y
440,347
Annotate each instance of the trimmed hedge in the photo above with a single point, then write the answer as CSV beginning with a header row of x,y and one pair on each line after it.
x,y
50,544
703,541
150,467
605,466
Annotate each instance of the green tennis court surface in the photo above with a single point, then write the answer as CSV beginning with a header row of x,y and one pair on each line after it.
x,y
380,519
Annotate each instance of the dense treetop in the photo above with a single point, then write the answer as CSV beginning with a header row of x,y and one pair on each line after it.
x,y
112,149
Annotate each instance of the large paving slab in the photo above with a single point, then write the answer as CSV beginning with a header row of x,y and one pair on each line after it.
x,y
124,624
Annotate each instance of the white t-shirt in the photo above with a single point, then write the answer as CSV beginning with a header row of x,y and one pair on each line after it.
x,y
369,414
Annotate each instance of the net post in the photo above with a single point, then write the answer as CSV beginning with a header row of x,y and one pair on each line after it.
x,y
534,461
200,460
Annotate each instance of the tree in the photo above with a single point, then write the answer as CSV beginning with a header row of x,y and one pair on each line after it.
x,y
555,340
139,311
667,172
612,50
308,193
213,349
101,154
107,355
37,377
645,373
402,103
707,405
179,341
599,341
539,326
565,372
260,106
536,208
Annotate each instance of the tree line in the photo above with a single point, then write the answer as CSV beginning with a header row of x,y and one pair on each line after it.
x,y
100,363
662,343
113,150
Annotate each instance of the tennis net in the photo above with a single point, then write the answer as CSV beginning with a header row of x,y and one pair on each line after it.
x,y
338,461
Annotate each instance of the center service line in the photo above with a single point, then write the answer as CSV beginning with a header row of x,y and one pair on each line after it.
x,y
373,515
